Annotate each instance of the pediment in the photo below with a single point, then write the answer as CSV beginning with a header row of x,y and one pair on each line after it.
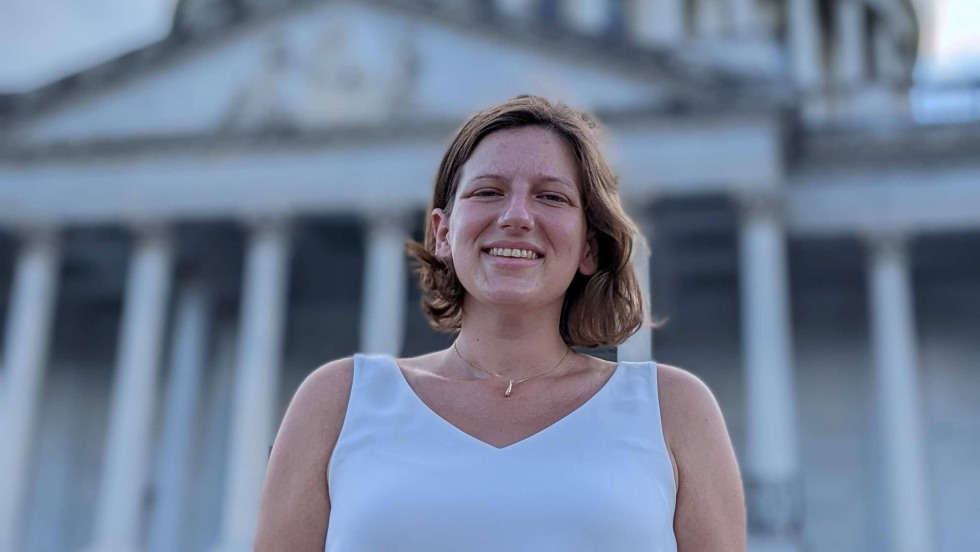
x,y
338,64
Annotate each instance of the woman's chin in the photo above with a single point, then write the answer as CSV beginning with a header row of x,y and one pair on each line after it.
x,y
514,297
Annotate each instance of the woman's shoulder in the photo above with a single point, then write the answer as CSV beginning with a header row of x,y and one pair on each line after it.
x,y
681,384
316,414
320,403
326,390
332,378
710,509
295,490
689,412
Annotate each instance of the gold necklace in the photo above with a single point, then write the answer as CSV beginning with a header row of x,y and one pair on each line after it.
x,y
510,382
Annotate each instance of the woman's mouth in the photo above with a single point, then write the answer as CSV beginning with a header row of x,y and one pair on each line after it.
x,y
512,253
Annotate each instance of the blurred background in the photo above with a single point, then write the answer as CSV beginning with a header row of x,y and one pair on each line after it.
x,y
203,200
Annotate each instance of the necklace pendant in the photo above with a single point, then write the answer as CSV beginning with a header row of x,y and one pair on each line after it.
x,y
510,387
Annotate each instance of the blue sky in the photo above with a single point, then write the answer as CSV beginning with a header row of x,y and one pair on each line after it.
x,y
953,50
42,40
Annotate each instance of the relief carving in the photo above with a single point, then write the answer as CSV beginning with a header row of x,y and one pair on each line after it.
x,y
343,76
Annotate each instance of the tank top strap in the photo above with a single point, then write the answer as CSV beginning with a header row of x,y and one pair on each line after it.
x,y
376,383
378,408
639,384
632,412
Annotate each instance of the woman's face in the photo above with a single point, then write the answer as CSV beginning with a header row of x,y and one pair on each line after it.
x,y
517,231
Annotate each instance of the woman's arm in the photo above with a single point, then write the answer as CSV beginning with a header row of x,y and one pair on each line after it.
x,y
295,503
710,511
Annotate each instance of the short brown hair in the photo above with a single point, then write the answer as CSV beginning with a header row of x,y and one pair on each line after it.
x,y
602,309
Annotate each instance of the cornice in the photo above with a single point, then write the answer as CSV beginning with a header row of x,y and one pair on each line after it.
x,y
472,15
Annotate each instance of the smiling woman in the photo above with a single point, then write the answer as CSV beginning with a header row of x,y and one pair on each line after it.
x,y
509,439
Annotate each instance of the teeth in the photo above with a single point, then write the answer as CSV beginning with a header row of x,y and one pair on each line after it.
x,y
506,252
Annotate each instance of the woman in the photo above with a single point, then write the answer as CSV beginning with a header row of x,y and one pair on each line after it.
x,y
509,439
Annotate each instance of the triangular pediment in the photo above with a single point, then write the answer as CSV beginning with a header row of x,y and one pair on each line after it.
x,y
324,64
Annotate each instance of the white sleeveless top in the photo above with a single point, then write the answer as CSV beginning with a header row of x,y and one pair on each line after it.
x,y
401,478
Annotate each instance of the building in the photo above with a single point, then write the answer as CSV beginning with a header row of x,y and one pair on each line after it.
x,y
191,228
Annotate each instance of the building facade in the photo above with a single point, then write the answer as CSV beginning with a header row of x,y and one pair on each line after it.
x,y
190,229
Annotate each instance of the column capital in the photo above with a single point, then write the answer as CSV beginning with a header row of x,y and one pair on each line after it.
x,y
757,203
886,243
267,223
151,230
47,234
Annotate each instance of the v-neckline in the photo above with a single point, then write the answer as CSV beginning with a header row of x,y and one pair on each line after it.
x,y
480,442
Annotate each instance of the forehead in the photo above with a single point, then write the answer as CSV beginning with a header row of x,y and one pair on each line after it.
x,y
531,151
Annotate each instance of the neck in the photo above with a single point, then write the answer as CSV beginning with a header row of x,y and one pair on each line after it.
x,y
514,343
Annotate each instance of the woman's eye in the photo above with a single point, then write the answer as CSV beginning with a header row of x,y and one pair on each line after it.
x,y
485,193
554,197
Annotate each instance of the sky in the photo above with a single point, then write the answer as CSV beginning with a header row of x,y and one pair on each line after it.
x,y
43,40
954,48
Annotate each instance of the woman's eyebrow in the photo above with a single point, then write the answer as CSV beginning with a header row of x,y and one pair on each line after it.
x,y
488,176
559,180
541,178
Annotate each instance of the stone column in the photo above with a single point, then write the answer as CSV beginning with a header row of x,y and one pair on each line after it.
x,y
120,508
209,478
743,16
772,463
27,341
803,25
262,320
639,347
887,59
656,22
850,64
385,285
906,501
188,353
590,17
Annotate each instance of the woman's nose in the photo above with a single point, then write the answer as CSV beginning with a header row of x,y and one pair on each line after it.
x,y
517,214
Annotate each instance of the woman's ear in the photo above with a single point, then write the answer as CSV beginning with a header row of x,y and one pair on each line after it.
x,y
590,256
440,229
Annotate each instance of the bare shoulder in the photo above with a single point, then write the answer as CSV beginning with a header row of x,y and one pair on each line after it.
x,y
710,508
320,403
295,500
318,407
686,403
326,390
